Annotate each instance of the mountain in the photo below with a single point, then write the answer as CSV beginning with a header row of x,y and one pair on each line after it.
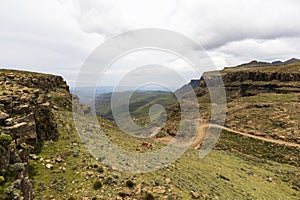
x,y
87,94
43,157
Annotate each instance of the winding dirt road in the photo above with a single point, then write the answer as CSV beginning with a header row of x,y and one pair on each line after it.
x,y
203,130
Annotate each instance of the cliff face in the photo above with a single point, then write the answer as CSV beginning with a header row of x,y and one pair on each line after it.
x,y
26,120
265,78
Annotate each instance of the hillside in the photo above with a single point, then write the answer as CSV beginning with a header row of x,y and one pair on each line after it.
x,y
263,99
139,103
42,156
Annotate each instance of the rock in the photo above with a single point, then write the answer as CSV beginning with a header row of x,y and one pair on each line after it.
x,y
10,75
146,145
63,169
24,132
9,122
270,179
138,188
195,195
33,156
16,127
22,109
42,98
3,116
49,166
127,191
168,180
5,100
159,190
58,159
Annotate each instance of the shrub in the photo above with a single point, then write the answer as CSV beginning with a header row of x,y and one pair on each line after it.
x,y
122,194
129,183
149,196
5,139
71,198
95,166
100,170
97,185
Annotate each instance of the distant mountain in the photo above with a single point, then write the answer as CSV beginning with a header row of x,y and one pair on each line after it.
x,y
87,94
139,104
255,63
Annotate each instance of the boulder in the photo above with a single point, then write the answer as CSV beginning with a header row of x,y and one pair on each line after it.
x,y
3,116
5,100
22,109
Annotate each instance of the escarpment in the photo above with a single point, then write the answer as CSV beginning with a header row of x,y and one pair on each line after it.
x,y
261,99
254,80
27,105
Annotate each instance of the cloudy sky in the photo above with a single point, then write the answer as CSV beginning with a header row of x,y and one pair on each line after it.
x,y
57,36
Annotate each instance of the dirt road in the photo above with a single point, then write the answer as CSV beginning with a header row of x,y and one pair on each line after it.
x,y
203,129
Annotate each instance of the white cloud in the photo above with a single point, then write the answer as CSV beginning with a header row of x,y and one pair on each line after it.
x,y
56,36
42,36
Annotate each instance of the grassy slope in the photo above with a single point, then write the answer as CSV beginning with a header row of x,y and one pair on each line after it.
x,y
139,104
267,114
249,177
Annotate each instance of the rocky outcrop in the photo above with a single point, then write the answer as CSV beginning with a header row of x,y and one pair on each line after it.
x,y
26,119
254,78
44,82
260,76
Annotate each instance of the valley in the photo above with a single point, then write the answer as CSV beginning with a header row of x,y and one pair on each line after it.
x,y
255,157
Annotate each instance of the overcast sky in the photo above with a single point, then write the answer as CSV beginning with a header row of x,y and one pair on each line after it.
x,y
56,36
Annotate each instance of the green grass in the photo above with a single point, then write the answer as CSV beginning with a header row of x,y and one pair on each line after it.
x,y
244,169
260,149
139,104
270,98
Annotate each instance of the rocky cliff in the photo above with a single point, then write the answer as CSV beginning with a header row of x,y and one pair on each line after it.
x,y
27,101
251,79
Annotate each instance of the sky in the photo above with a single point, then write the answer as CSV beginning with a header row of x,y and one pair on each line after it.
x,y
58,36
